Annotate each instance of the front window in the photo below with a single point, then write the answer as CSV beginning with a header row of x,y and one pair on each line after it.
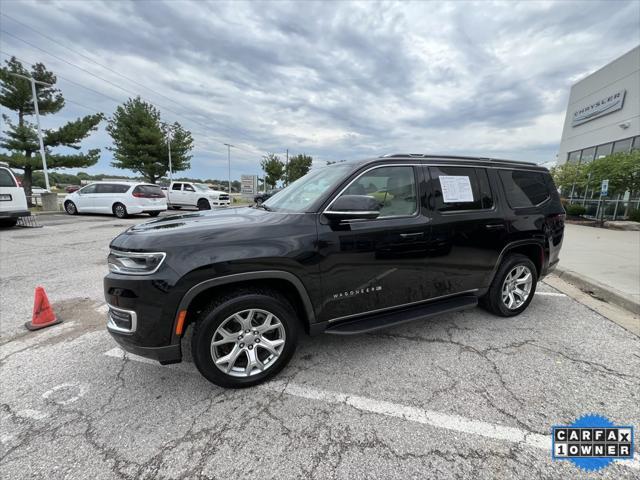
x,y
394,188
304,192
202,187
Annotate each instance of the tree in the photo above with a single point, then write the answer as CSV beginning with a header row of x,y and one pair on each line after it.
x,y
298,166
273,168
569,176
622,169
140,141
21,139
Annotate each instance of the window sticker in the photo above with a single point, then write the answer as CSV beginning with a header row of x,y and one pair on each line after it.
x,y
456,189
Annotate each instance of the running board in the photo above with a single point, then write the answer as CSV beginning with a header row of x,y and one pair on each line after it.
x,y
390,319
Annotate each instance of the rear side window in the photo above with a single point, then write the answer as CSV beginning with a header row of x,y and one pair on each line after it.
x,y
459,188
149,191
524,189
6,179
176,186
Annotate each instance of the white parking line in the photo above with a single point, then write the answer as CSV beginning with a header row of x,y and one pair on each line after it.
x,y
455,423
551,294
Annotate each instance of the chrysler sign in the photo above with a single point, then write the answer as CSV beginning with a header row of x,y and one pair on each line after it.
x,y
604,106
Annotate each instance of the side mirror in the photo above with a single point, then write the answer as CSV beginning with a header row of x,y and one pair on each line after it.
x,y
353,207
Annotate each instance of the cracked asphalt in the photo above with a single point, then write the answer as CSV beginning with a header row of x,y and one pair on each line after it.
x,y
467,395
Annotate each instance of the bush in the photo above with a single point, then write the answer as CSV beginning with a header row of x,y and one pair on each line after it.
x,y
575,210
634,215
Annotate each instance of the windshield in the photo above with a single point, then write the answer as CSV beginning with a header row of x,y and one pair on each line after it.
x,y
202,187
302,193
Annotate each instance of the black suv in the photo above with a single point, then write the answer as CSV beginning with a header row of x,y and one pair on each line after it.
x,y
346,249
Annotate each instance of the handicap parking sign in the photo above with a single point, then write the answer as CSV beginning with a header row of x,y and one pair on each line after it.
x,y
604,188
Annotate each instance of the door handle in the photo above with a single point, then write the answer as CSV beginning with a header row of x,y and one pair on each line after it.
x,y
494,226
412,235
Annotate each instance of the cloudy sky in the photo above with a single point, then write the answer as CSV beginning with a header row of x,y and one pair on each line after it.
x,y
335,80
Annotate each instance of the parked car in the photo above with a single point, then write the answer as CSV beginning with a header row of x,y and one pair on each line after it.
x,y
118,198
348,249
72,188
261,197
197,195
13,201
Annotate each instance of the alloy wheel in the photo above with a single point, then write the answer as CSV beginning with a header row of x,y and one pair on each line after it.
x,y
516,287
248,343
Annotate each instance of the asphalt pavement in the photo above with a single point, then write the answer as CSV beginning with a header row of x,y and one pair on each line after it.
x,y
466,395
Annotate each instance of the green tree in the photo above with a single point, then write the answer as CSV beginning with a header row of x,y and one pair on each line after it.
x,y
298,166
140,141
621,169
21,139
569,176
273,169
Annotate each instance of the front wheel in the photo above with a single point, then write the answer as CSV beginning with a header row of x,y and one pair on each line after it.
x,y
203,204
154,214
244,338
513,286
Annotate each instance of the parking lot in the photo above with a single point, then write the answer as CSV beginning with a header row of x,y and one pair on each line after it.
x,y
463,395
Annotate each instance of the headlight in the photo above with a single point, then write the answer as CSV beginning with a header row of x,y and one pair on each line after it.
x,y
133,263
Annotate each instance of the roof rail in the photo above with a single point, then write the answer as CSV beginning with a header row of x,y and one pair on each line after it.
x,y
461,157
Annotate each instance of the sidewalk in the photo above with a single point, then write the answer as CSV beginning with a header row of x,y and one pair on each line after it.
x,y
605,261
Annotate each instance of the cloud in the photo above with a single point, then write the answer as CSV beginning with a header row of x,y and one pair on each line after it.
x,y
334,80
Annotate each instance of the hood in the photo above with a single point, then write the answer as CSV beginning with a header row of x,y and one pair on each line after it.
x,y
223,225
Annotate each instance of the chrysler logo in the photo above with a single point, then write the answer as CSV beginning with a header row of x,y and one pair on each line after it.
x,y
604,106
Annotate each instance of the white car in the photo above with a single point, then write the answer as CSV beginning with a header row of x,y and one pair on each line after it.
x,y
117,198
13,201
198,195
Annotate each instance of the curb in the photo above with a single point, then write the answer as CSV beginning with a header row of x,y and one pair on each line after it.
x,y
39,214
597,289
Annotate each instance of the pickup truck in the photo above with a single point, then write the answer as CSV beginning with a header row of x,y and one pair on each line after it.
x,y
198,195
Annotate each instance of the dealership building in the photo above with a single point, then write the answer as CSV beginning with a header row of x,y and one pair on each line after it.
x,y
603,115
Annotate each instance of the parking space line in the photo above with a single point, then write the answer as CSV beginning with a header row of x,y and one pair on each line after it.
x,y
451,422
551,294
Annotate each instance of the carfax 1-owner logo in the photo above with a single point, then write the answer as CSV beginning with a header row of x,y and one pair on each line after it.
x,y
592,442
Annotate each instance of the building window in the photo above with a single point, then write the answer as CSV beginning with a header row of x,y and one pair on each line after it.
x,y
604,150
574,157
622,145
588,154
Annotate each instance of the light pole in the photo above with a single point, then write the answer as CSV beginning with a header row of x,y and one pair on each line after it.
x,y
169,132
37,112
229,165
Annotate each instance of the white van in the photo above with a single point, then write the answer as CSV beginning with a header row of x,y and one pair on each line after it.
x,y
13,201
117,198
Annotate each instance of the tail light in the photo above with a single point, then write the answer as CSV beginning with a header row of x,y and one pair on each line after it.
x,y
148,195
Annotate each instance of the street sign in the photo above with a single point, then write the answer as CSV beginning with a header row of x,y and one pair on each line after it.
x,y
249,184
604,188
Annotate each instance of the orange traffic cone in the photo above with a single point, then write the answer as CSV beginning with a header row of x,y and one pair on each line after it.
x,y
43,315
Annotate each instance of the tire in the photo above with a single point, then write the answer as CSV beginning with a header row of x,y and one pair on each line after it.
x,y
119,210
259,202
70,208
221,313
203,204
8,222
493,299
154,214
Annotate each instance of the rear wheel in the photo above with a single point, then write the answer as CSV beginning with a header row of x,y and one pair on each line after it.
x,y
513,286
70,207
203,204
154,214
119,210
244,338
